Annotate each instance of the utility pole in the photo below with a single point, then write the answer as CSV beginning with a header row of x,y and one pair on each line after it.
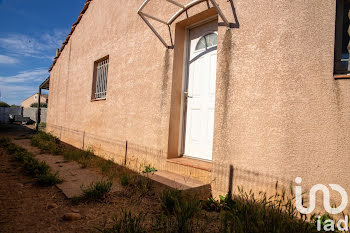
x,y
39,111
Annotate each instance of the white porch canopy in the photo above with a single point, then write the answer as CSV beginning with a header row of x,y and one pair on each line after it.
x,y
183,9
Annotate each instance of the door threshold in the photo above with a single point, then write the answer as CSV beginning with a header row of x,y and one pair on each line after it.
x,y
205,165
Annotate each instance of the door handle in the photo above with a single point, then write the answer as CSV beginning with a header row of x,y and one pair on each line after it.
x,y
186,94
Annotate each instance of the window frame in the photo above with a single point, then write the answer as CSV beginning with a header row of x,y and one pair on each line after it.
x,y
339,67
94,80
206,42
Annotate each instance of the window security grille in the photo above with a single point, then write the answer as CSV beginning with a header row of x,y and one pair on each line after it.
x,y
101,79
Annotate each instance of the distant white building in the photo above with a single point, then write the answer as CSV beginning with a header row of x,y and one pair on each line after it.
x,y
34,99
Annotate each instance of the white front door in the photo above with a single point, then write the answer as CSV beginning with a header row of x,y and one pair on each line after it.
x,y
200,91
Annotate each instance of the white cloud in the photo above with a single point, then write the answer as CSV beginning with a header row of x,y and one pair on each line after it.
x,y
14,94
55,39
8,60
38,47
14,89
26,76
21,44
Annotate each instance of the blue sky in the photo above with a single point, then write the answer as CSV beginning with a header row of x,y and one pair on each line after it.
x,y
30,32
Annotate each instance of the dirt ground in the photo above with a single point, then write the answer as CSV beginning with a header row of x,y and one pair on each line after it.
x,y
25,206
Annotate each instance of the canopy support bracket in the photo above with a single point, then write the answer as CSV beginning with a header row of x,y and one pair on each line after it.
x,y
184,9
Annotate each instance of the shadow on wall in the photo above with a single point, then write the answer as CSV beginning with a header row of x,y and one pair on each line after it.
x,y
228,177
120,151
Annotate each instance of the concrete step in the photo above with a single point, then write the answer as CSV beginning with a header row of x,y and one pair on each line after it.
x,y
188,167
180,182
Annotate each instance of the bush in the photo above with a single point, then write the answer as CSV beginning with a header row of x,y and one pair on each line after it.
x,y
81,156
4,142
34,166
169,199
42,126
37,169
14,149
35,105
97,190
49,179
137,182
246,213
107,167
49,143
4,105
125,179
46,143
180,211
127,224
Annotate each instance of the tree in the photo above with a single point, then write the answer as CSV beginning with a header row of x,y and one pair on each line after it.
x,y
3,104
35,105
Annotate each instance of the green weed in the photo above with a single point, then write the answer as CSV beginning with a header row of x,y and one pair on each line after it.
x,y
149,169
97,190
78,155
49,179
46,143
86,158
180,210
247,213
37,169
107,168
127,224
125,179
4,141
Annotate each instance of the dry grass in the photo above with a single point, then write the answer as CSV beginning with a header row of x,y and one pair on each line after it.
x,y
178,212
86,158
39,170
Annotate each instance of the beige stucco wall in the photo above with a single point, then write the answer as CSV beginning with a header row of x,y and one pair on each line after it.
x,y
30,100
279,111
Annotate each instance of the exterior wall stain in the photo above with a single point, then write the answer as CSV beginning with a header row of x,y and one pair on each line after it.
x,y
279,113
165,79
67,85
227,56
164,92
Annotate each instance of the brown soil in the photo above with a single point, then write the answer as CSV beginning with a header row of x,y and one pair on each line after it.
x,y
25,206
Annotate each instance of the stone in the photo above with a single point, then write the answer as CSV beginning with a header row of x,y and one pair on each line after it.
x,y
52,205
19,185
71,216
75,210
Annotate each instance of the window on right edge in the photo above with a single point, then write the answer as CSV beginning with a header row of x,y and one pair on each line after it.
x,y
342,46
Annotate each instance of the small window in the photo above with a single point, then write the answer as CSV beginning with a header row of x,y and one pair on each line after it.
x,y
207,41
35,97
341,48
99,85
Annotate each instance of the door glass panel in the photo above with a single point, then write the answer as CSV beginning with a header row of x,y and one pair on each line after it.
x,y
207,41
